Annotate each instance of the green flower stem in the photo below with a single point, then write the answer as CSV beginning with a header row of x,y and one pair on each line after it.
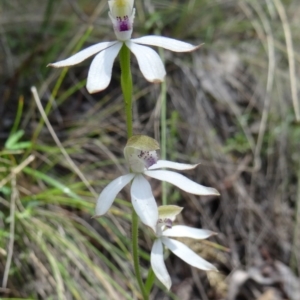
x,y
163,147
135,253
126,84
163,126
150,281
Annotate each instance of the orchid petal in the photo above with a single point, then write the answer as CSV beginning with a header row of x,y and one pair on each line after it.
x,y
171,165
99,75
186,231
110,192
158,264
143,201
82,55
149,62
187,255
182,182
166,43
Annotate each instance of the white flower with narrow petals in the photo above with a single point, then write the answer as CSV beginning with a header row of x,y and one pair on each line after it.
x,y
140,153
165,230
122,14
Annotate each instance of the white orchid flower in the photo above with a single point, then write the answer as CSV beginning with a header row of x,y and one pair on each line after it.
x,y
122,15
164,230
140,153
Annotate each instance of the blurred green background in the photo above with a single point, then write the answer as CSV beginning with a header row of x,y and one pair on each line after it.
x,y
231,106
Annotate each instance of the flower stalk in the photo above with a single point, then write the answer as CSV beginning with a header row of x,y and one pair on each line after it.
x,y
163,120
150,281
140,151
135,253
126,85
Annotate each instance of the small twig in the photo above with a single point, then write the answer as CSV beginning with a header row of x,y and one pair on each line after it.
x,y
295,257
58,143
270,81
10,250
83,17
17,170
263,122
290,54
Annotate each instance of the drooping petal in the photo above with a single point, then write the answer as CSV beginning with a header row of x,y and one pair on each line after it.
x,y
171,165
187,255
158,264
110,192
99,75
186,231
182,182
82,55
143,201
166,43
149,62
